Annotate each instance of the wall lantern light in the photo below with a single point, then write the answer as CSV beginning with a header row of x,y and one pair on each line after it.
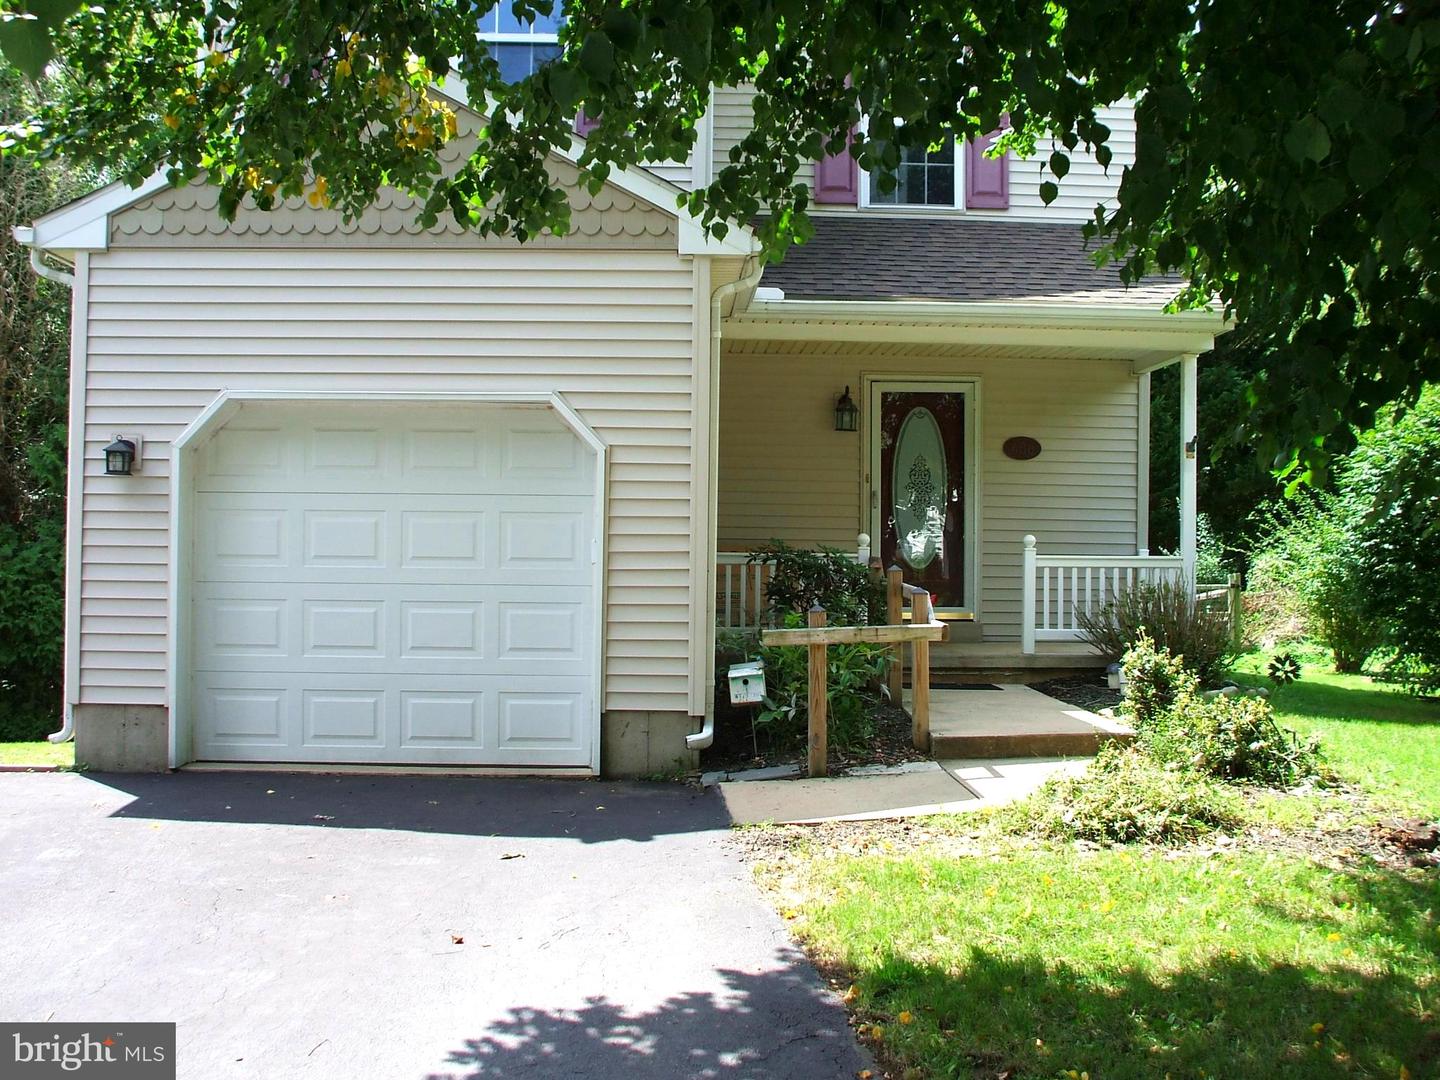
x,y
847,413
120,457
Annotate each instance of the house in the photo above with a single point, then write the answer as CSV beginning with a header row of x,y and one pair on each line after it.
x,y
417,497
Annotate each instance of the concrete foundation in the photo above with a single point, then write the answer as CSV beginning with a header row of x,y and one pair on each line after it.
x,y
646,743
122,738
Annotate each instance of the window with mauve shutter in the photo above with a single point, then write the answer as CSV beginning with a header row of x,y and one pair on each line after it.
x,y
837,178
987,179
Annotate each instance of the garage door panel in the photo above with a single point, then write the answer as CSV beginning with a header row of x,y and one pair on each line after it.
x,y
476,719
396,629
400,538
394,585
460,451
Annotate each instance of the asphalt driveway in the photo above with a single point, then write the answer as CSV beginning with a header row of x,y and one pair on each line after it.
x,y
399,928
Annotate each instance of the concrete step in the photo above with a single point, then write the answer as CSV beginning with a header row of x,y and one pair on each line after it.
x,y
1022,744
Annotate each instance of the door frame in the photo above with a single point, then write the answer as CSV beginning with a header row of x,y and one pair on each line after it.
x,y
226,404
872,387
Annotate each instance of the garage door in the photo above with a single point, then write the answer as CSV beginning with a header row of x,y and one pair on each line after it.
x,y
406,584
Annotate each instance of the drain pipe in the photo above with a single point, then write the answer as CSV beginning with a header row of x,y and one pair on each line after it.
x,y
26,236
702,739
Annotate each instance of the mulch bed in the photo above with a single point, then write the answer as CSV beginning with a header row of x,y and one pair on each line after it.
x,y
735,750
1389,842
1085,690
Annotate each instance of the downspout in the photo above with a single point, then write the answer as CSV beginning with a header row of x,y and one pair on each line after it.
x,y
702,739
26,236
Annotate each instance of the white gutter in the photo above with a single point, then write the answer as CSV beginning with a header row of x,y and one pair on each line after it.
x,y
26,236
702,739
959,311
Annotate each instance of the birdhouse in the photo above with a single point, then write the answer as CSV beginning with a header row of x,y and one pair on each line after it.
x,y
747,683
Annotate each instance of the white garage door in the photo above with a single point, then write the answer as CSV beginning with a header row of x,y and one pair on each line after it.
x,y
392,583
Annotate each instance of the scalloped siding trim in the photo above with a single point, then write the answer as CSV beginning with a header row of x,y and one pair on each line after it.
x,y
176,217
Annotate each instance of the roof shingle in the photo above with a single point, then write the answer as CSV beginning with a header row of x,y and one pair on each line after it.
x,y
873,257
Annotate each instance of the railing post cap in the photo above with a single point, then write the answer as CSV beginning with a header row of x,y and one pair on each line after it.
x,y
894,568
1029,540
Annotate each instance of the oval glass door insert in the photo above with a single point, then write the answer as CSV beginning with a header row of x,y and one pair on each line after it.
x,y
919,485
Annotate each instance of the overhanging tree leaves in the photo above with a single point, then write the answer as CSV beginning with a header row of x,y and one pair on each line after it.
x,y
1288,155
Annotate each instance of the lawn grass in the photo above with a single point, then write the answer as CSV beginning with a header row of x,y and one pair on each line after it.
x,y
37,753
1378,736
1123,963
1049,961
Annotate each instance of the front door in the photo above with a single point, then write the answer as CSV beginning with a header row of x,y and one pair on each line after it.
x,y
919,482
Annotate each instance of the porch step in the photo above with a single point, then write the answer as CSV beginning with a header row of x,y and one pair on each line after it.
x,y
1018,744
1014,721
958,656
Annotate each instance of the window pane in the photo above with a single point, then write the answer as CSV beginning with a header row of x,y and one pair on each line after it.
x,y
509,24
940,185
490,21
925,178
514,61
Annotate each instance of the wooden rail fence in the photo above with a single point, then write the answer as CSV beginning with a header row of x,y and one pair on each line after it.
x,y
920,631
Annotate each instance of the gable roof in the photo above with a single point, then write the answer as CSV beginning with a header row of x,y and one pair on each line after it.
x,y
84,224
883,257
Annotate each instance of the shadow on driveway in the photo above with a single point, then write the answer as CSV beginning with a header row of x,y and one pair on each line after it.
x,y
588,811
764,1026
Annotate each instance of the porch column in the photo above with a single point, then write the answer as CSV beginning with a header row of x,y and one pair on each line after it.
x,y
1142,464
1189,453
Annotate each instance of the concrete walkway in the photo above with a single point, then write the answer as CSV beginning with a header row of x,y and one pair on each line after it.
x,y
941,787
1014,720
403,928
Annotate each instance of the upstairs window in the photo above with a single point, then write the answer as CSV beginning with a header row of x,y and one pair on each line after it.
x,y
925,177
519,47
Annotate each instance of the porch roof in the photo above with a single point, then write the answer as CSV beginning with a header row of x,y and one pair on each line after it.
x,y
967,260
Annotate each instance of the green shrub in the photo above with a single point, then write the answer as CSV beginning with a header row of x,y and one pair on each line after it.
x,y
1168,613
853,693
1126,797
850,594
1154,680
1392,483
1309,562
1229,738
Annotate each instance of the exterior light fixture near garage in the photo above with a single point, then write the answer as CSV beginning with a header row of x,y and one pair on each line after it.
x,y
847,413
121,456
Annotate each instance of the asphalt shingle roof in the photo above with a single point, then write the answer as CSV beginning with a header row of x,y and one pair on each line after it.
x,y
873,257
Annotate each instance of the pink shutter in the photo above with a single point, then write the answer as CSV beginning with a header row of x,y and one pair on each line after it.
x,y
987,180
584,124
837,177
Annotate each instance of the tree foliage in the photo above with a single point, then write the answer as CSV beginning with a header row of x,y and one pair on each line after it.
x,y
34,323
1287,163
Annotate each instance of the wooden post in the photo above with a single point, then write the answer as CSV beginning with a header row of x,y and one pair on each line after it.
x,y
1027,597
895,615
819,699
1237,615
920,612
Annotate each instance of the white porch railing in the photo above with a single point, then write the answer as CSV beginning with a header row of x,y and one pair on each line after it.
x,y
1055,588
740,602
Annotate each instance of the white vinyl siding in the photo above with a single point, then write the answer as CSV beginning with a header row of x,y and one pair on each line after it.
x,y
613,332
732,116
1085,185
786,473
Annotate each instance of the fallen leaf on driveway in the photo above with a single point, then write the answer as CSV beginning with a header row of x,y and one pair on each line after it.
x,y
456,939
512,855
